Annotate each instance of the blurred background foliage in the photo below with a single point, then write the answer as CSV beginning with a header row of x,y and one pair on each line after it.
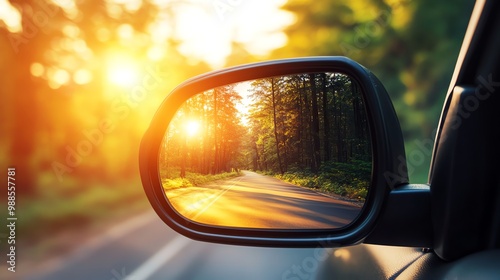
x,y
82,79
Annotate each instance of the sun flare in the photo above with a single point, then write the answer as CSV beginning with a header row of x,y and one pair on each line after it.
x,y
256,25
192,127
122,71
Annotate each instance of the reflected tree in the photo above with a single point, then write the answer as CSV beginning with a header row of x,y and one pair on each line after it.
x,y
312,123
303,121
215,145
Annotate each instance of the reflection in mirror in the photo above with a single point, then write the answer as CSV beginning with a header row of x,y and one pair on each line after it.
x,y
286,152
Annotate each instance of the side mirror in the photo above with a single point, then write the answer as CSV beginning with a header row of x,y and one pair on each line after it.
x,y
281,153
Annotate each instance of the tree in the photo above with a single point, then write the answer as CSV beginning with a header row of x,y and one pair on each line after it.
x,y
59,94
215,145
291,129
315,125
411,46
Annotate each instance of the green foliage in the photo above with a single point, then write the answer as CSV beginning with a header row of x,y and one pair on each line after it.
x,y
351,180
347,173
59,210
196,179
412,46
176,183
305,120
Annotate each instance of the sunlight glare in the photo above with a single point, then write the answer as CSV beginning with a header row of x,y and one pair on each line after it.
x,y
125,31
37,69
122,71
61,76
206,35
155,53
192,127
69,7
244,90
10,16
82,76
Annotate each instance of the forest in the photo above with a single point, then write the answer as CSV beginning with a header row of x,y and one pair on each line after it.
x,y
205,135
312,124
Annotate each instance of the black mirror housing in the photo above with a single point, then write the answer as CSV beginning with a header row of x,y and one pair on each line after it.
x,y
388,161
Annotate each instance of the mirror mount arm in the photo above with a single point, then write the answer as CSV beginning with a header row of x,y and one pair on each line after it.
x,y
406,218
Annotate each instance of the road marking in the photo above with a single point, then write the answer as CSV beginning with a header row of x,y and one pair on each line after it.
x,y
194,206
215,199
88,247
155,262
116,232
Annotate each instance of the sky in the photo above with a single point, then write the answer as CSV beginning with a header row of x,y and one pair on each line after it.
x,y
244,90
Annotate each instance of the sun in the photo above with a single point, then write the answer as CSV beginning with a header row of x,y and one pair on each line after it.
x,y
122,71
192,127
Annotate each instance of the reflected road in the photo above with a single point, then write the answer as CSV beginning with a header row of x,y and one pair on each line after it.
x,y
257,201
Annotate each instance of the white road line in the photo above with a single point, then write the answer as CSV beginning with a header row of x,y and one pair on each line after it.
x,y
215,199
161,257
88,247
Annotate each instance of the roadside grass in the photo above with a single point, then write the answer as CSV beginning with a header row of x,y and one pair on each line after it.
x,y
72,209
350,180
194,179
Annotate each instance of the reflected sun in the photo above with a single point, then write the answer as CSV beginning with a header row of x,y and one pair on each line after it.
x,y
192,127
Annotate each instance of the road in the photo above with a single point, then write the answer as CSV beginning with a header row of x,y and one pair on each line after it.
x,y
145,248
258,201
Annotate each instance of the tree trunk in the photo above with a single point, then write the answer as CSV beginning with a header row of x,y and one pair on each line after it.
x,y
275,122
316,161
326,121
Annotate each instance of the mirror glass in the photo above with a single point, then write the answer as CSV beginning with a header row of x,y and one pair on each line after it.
x,y
286,152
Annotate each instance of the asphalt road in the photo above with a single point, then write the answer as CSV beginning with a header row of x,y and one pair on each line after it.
x,y
257,201
145,248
